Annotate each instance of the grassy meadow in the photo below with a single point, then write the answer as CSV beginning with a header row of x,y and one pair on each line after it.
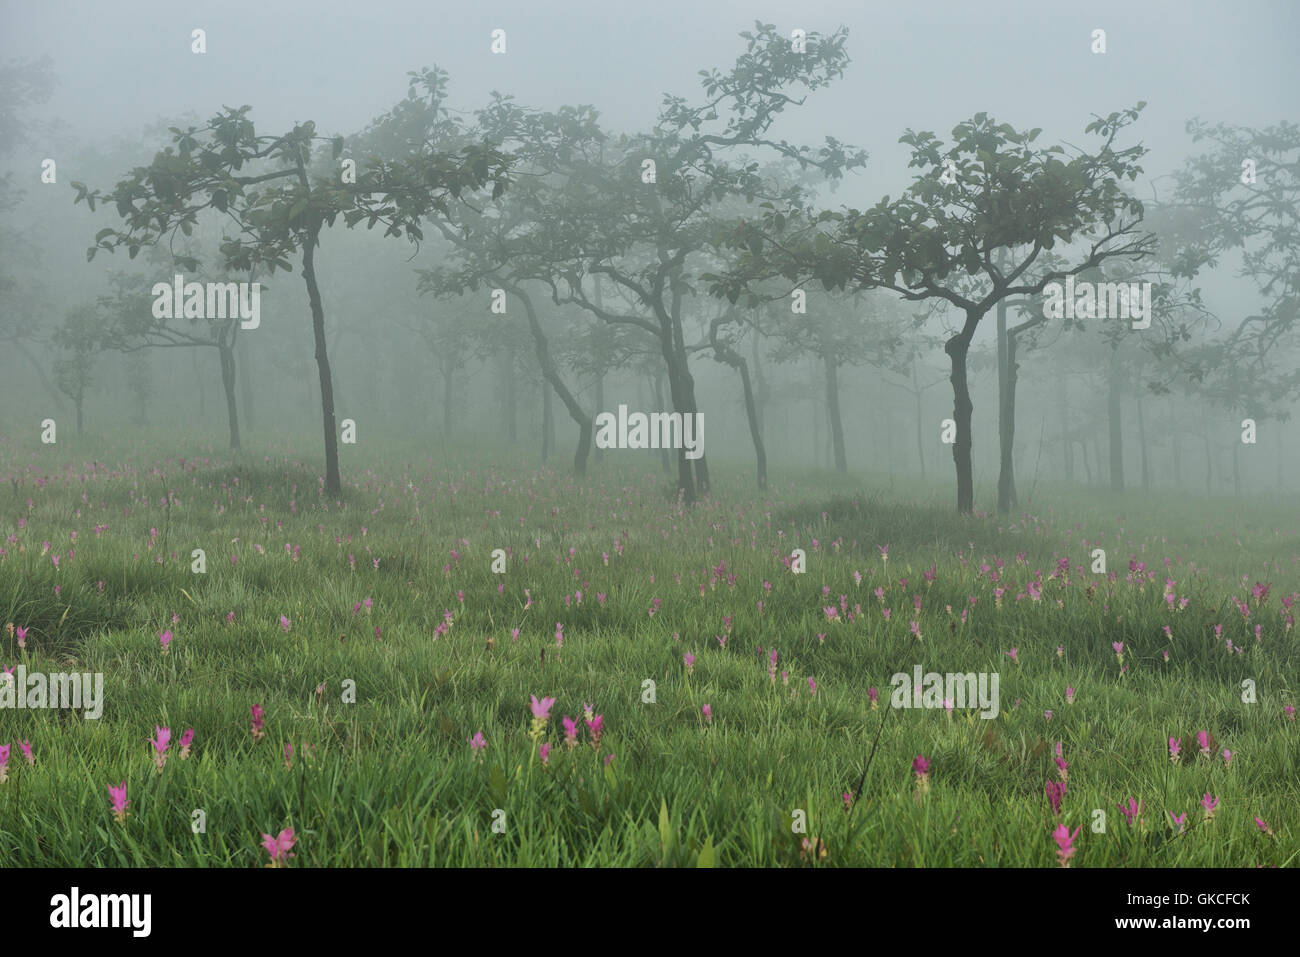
x,y
721,705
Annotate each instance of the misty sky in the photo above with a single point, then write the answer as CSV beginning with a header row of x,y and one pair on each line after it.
x,y
927,65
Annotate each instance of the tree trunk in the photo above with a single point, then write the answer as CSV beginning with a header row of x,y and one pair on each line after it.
x,y
227,355
1067,441
198,379
724,353
920,440
1006,419
245,358
79,401
665,456
448,397
333,485
1209,471
600,407
957,348
1142,441
1115,425
548,421
46,384
511,398
833,408
551,375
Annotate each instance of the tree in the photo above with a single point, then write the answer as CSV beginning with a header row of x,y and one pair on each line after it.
x,y
991,190
279,192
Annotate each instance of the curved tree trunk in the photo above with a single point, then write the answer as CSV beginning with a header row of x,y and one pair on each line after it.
x,y
333,485
724,353
552,376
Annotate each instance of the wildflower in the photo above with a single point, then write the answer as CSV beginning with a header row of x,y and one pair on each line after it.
x,y
259,723
477,743
1180,821
118,796
587,710
22,637
278,847
1289,710
1174,748
1119,650
921,766
813,848
848,798
916,630
544,752
708,713
1132,811
812,688
1014,655
1062,766
1204,740
27,752
1047,715
4,762
1060,651
230,618
165,639
874,695
690,663
1055,791
186,740
1227,757
541,715
1210,804
1263,826
570,732
164,736
1069,695
1064,844
594,725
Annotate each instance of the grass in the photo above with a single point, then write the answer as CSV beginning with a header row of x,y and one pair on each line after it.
x,y
382,771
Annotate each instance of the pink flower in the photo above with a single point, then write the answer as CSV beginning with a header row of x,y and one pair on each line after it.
x,y
288,756
118,795
690,662
278,847
874,696
1055,791
164,736
1132,811
1064,844
165,639
4,761
1047,715
1203,739
1173,749
1227,757
570,731
542,709
708,713
259,722
27,751
1014,655
1069,695
477,743
230,618
544,752
812,686
285,623
1263,826
1180,821
1210,804
594,725
22,637
186,740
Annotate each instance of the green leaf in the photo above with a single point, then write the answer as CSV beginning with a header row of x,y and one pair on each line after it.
x,y
706,853
665,826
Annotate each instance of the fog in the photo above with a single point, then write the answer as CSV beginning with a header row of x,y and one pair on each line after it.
x,y
429,340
